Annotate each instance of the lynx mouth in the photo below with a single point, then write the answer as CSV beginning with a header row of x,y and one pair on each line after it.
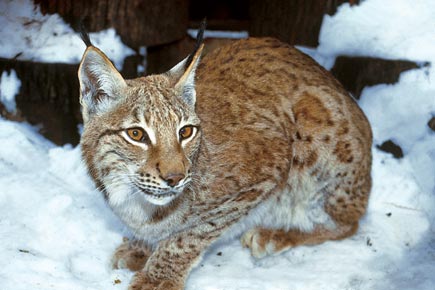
x,y
159,195
159,198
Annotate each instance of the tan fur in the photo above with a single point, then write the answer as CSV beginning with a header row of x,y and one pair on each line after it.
x,y
282,153
264,242
131,255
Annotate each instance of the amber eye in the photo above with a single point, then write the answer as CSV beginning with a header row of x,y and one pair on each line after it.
x,y
137,134
186,132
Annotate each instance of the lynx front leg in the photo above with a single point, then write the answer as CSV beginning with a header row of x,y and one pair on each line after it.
x,y
263,242
131,255
170,264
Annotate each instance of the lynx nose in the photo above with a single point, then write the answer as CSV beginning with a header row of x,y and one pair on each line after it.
x,y
173,179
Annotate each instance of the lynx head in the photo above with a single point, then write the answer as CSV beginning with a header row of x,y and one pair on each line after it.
x,y
140,136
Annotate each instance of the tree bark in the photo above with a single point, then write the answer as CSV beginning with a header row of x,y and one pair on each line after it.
x,y
49,96
138,22
355,73
291,21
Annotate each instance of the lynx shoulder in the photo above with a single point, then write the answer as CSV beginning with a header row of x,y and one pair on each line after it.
x,y
255,140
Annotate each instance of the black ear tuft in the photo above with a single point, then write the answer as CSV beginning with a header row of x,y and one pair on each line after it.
x,y
199,41
200,35
84,34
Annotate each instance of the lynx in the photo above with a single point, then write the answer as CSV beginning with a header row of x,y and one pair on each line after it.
x,y
254,140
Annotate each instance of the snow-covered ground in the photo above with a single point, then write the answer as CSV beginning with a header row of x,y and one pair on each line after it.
x,y
57,233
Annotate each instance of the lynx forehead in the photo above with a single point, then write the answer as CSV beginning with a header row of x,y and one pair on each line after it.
x,y
254,139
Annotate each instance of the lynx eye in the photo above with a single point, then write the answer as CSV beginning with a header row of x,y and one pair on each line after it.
x,y
186,132
137,134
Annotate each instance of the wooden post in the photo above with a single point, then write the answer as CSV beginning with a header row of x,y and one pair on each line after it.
x,y
49,96
292,21
138,22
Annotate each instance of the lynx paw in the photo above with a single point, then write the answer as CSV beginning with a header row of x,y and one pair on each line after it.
x,y
264,242
254,240
130,255
142,282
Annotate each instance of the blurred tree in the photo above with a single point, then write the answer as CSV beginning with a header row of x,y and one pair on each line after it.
x,y
138,22
292,21
48,97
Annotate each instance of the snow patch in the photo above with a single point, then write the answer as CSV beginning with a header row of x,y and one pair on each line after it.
x,y
219,34
389,29
27,34
9,87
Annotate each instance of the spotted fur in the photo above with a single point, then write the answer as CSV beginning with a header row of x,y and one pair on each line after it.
x,y
280,152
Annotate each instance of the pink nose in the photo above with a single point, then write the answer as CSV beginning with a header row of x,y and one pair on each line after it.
x,y
173,179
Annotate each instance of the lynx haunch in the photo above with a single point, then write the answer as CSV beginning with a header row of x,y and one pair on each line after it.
x,y
254,140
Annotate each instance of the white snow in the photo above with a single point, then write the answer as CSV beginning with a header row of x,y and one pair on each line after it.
x,y
391,29
57,233
9,88
219,34
29,35
405,121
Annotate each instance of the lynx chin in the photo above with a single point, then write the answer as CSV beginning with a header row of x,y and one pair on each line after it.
x,y
253,140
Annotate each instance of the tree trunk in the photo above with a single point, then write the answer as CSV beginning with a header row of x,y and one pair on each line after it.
x,y
138,22
49,96
291,21
355,73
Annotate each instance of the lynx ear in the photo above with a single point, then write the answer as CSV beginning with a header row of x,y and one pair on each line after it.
x,y
183,76
100,83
